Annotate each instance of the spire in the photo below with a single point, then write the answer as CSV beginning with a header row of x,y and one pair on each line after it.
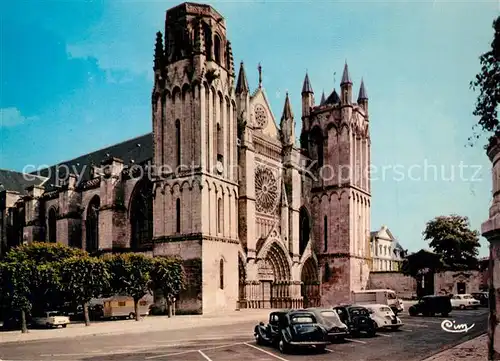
x,y
242,84
362,91
322,98
307,88
287,124
287,109
158,61
333,98
346,78
260,75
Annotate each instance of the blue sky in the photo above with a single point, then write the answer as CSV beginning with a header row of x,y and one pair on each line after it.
x,y
76,76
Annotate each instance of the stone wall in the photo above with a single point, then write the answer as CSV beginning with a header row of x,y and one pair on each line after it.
x,y
446,282
405,286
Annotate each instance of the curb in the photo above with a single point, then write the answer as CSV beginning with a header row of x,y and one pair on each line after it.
x,y
443,352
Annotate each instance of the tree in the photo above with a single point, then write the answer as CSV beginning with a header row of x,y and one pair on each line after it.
x,y
40,252
167,275
47,288
130,276
16,290
488,83
421,262
452,238
84,278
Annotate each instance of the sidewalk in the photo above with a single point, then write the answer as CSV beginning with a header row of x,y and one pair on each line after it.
x,y
472,350
147,324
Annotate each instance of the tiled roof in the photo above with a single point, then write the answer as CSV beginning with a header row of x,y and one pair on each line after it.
x,y
17,181
139,149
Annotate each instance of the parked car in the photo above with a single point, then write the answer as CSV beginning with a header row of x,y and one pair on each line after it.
x,y
289,329
431,305
482,297
337,330
358,320
384,317
51,319
464,301
379,296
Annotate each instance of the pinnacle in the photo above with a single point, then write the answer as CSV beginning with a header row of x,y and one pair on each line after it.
x,y
346,78
307,88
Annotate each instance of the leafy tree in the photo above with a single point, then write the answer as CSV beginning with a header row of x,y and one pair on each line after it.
x,y
452,238
40,252
167,275
130,276
488,83
46,285
16,290
84,278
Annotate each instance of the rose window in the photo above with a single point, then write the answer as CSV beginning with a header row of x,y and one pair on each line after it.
x,y
260,116
266,190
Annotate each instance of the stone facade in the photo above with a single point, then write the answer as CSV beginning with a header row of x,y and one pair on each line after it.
x,y
458,282
260,220
387,253
404,286
491,230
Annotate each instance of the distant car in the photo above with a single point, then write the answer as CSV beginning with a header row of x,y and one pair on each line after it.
x,y
431,305
358,320
384,317
464,301
51,319
292,329
337,330
482,297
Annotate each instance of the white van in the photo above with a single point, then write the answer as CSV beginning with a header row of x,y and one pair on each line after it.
x,y
121,306
380,296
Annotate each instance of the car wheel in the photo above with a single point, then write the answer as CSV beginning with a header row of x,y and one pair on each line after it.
x,y
64,326
321,348
259,340
131,315
412,312
462,307
283,346
371,332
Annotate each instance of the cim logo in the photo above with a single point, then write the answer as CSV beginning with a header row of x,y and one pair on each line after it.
x,y
450,326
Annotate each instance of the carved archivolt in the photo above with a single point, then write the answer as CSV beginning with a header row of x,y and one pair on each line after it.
x,y
266,190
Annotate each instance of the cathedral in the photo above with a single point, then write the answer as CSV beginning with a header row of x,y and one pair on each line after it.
x,y
262,216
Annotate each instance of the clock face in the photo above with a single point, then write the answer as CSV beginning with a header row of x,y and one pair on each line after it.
x,y
260,116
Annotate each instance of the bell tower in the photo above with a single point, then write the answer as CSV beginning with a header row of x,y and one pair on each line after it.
x,y
194,163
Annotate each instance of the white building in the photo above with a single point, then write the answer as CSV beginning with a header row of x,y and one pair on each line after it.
x,y
387,253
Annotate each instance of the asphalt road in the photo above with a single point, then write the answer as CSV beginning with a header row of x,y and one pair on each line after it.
x,y
419,338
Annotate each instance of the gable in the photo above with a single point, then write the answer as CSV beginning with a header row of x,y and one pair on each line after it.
x,y
261,115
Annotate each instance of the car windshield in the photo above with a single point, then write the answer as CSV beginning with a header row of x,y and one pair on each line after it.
x,y
384,309
302,319
467,297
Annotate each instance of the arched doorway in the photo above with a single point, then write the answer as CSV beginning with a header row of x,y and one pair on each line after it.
x,y
141,215
310,284
92,225
274,276
305,230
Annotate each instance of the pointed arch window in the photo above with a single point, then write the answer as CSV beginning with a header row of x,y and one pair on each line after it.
x,y
325,234
52,225
221,274
141,215
217,49
220,215
178,215
178,141
92,225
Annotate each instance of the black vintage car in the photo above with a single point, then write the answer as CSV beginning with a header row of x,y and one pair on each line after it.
x,y
289,329
337,330
431,305
482,297
357,319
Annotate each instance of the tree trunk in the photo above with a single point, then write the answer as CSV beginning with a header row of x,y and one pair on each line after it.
x,y
24,328
169,308
136,309
86,314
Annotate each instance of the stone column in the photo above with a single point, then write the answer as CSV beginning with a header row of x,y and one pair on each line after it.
x,y
491,230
